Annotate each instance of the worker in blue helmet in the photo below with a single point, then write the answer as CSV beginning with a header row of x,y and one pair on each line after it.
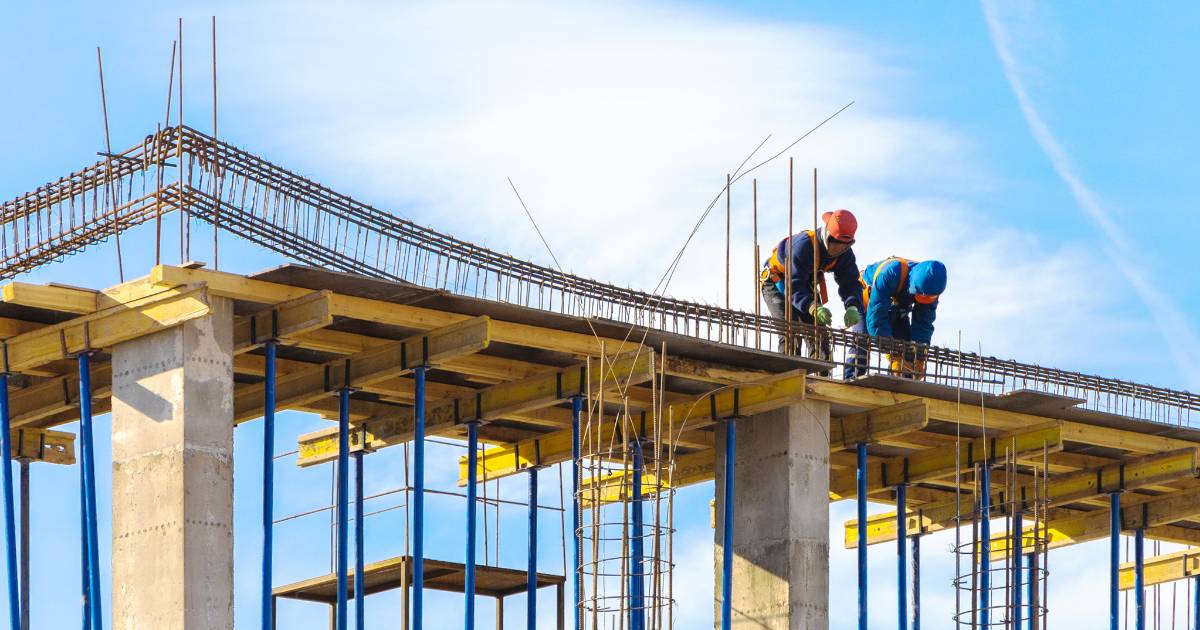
x,y
901,298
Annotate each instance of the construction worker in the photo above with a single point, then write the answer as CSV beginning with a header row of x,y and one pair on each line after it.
x,y
901,297
834,243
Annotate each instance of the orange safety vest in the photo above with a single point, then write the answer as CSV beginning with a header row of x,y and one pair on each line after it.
x,y
774,271
904,263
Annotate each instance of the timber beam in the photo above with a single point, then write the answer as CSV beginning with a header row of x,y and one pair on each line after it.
x,y
489,403
43,445
879,424
943,461
1162,569
1060,489
681,424
369,366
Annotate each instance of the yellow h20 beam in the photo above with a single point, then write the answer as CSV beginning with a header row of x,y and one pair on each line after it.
x,y
1162,569
489,403
1060,489
943,461
685,417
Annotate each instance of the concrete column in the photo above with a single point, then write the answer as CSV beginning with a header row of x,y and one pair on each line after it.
x,y
172,419
781,519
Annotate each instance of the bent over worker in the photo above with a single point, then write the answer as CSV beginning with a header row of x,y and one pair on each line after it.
x,y
901,297
834,254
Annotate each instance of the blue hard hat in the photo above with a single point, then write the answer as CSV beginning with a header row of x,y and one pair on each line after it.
x,y
927,278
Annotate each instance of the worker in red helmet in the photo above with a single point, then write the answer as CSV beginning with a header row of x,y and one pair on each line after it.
x,y
833,243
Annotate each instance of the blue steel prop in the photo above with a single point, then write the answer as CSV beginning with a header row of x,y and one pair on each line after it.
x,y
343,505
1031,588
1139,577
901,557
916,553
577,553
418,579
1196,602
83,556
472,480
531,575
727,525
268,489
1114,560
1018,543
637,616
10,516
985,544
88,472
861,475
360,583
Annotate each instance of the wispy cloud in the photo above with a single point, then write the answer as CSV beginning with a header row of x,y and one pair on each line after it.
x,y
1172,323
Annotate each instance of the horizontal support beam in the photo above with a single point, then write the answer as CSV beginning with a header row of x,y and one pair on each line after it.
x,y
44,445
1157,511
1162,569
1060,490
369,366
107,327
683,417
945,460
689,469
294,317
51,297
999,419
489,403
868,427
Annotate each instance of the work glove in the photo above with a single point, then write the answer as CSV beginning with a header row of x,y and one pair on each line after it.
x,y
852,317
821,315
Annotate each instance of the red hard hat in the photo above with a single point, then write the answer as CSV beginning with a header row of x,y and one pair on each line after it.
x,y
840,224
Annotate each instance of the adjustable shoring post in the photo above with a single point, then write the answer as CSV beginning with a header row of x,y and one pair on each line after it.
x,y
268,489
418,582
472,481
88,477
577,550
343,505
727,525
861,500
901,557
10,521
531,575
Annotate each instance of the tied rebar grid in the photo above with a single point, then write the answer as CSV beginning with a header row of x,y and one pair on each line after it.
x,y
1007,588
626,572
250,197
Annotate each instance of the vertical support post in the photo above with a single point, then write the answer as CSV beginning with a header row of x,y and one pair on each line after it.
x,y
531,575
1031,587
343,505
268,489
472,481
360,582
1139,577
83,554
637,618
89,489
1196,602
10,520
577,549
985,543
727,532
418,581
1018,542
901,557
916,611
861,475
24,543
1114,560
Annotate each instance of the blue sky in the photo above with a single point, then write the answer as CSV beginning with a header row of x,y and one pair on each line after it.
x,y
620,120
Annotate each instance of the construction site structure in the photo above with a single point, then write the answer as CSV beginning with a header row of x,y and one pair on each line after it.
x,y
398,334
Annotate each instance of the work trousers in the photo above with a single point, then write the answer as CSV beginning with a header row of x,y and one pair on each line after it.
x,y
821,349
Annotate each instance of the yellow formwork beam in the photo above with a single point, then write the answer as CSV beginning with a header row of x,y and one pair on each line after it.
x,y
688,469
1161,569
107,327
1158,511
942,461
878,424
489,403
279,322
685,417
369,366
950,411
51,297
44,445
1060,489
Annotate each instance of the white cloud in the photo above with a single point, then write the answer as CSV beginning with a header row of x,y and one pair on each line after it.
x,y
1173,324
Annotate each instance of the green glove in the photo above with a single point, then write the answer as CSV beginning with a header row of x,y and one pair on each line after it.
x,y
821,315
852,317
